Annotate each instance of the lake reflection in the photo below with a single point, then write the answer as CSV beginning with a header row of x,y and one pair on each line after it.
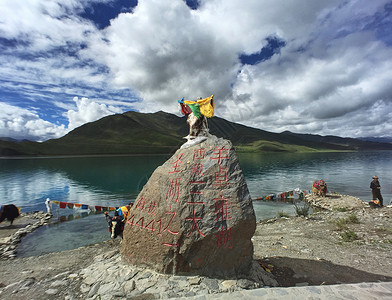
x,y
107,181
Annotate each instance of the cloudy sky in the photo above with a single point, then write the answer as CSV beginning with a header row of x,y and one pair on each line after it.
x,y
321,67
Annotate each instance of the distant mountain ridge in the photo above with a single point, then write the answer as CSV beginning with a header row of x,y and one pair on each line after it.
x,y
386,139
161,133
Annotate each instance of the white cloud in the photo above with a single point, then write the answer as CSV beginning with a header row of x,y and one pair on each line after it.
x,y
88,111
42,25
21,123
164,52
43,48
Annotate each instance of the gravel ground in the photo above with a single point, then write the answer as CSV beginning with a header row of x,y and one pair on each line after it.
x,y
327,248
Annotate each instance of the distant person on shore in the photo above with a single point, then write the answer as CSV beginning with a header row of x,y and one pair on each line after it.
x,y
48,206
376,191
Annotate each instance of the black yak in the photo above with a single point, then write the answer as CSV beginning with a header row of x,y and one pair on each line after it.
x,y
117,228
9,212
116,224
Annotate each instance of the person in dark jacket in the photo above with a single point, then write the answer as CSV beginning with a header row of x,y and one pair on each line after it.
x,y
376,191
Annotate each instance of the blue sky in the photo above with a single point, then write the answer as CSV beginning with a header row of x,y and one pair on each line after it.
x,y
321,67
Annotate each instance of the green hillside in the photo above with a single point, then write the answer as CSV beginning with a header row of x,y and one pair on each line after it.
x,y
162,133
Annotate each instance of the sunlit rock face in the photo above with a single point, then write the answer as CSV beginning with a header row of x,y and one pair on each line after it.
x,y
194,215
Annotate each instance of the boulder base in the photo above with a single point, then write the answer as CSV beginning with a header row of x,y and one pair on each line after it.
x,y
194,215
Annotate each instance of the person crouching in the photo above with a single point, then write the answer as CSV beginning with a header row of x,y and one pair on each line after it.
x,y
117,222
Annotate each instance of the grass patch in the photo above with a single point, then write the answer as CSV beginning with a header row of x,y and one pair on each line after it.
x,y
274,146
360,243
349,236
302,210
282,214
341,223
381,230
352,218
341,209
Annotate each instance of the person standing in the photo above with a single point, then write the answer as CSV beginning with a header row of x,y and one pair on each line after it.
x,y
376,190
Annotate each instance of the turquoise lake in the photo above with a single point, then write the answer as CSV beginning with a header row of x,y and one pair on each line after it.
x,y
114,181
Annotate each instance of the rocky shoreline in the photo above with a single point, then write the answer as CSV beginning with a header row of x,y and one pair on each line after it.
x,y
295,251
98,272
31,221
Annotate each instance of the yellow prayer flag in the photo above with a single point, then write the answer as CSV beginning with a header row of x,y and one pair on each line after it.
x,y
206,105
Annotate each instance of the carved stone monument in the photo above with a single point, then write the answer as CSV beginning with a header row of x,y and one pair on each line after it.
x,y
194,215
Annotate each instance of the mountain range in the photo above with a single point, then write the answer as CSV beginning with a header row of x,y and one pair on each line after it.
x,y
162,133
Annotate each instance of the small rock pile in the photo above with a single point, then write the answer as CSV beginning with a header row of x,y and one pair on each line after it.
x,y
109,278
9,244
335,202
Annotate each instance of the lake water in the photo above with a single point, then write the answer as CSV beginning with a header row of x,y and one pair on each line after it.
x,y
114,181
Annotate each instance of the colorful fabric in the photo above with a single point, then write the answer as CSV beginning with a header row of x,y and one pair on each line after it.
x,y
123,212
185,109
195,109
200,107
83,206
207,106
290,196
320,183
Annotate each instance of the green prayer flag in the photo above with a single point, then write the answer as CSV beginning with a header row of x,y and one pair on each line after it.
x,y
195,109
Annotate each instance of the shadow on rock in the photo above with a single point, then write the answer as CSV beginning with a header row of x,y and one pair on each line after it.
x,y
296,272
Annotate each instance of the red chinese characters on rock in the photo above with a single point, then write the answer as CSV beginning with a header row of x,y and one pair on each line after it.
x,y
220,154
199,154
149,222
224,237
222,209
174,184
173,189
221,203
161,225
194,220
196,191
177,164
222,206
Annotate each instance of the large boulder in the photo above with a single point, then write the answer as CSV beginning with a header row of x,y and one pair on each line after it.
x,y
194,215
